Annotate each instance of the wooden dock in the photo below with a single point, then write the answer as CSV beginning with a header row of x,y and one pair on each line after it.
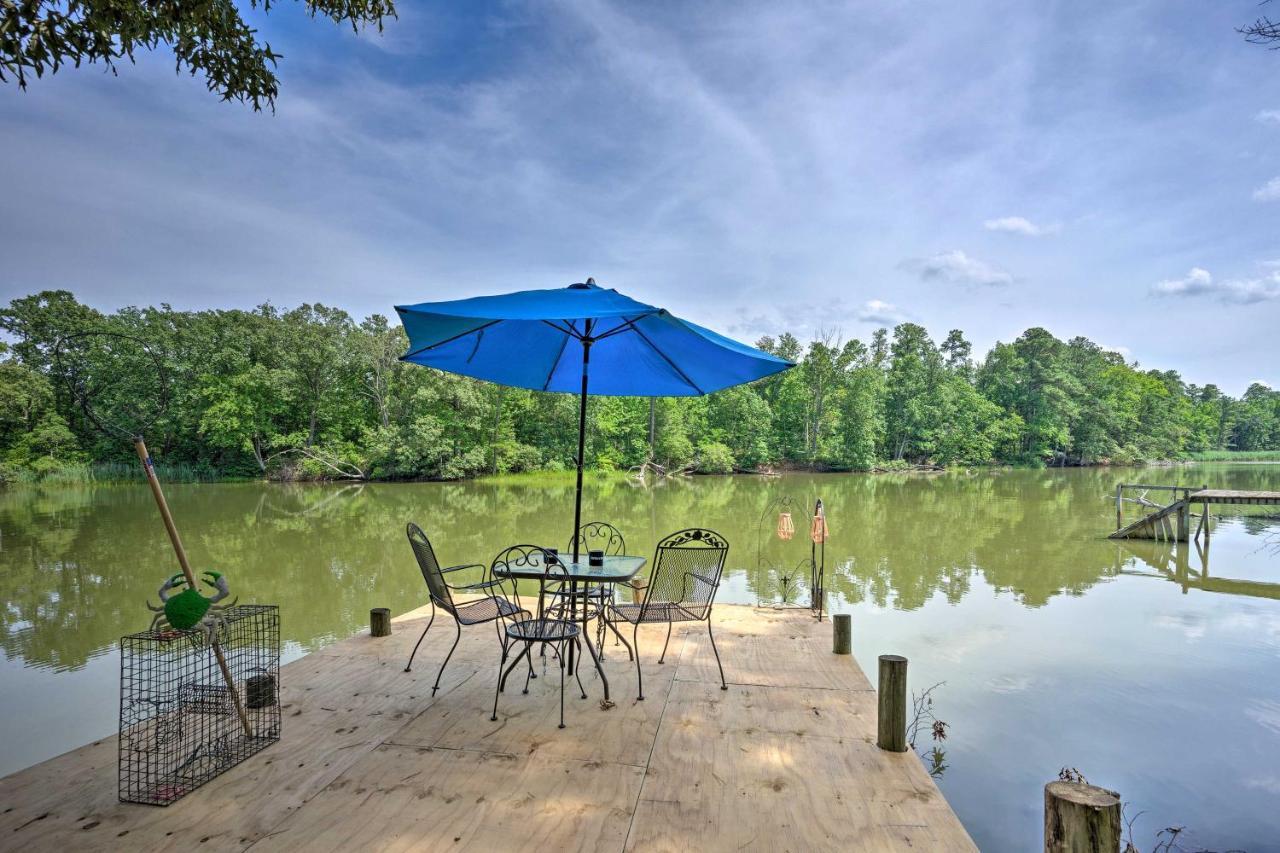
x,y
1172,523
784,760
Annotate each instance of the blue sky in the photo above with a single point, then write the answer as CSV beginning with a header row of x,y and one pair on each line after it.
x,y
1102,169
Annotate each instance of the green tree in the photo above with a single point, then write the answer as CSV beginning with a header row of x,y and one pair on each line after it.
x,y
209,38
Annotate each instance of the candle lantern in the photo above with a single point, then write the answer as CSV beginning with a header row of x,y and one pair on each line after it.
x,y
786,527
818,532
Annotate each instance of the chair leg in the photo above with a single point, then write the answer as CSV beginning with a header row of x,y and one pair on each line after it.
x,y
502,683
723,684
663,657
494,717
577,673
635,638
457,625
409,666
617,635
528,675
561,690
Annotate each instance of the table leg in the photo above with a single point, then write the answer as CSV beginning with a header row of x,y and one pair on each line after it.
x,y
595,658
573,617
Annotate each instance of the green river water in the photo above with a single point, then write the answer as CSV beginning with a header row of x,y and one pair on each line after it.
x,y
1058,647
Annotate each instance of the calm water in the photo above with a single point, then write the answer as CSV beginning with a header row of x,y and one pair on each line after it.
x,y
1057,646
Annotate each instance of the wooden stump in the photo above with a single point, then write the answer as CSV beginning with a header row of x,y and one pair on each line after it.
x,y
380,622
1081,818
892,733
842,634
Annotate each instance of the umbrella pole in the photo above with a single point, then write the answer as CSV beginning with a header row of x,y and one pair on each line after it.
x,y
582,443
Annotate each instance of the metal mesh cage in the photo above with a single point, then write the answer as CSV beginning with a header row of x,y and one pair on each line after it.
x,y
179,726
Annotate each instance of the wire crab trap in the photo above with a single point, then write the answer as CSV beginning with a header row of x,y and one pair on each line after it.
x,y
180,724
780,579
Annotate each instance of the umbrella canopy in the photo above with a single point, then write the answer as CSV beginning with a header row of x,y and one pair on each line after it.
x,y
580,339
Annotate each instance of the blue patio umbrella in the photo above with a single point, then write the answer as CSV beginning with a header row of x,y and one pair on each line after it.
x,y
581,339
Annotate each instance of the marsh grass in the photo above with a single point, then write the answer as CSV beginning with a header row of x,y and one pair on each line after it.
x,y
1235,456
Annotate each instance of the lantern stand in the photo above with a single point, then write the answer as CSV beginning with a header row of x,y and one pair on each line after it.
x,y
785,508
818,534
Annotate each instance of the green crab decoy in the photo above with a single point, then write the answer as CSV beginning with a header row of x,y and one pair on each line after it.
x,y
189,609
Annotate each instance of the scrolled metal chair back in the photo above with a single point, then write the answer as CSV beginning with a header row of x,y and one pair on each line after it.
x,y
598,536
430,566
686,571
553,574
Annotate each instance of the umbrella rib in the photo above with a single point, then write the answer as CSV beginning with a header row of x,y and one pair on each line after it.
x,y
627,323
479,328
564,342
665,358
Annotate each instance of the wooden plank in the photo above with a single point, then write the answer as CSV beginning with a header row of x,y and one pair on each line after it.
x,y
718,787
770,661
403,798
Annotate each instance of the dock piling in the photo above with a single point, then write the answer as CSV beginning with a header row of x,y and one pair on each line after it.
x,y
892,723
380,622
1081,818
842,634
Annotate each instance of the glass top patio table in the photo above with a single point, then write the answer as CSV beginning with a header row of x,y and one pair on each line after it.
x,y
616,569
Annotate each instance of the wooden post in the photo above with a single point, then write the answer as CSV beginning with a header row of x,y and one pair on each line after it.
x,y
1184,520
842,634
892,734
380,622
1081,818
1208,523
148,468
1119,506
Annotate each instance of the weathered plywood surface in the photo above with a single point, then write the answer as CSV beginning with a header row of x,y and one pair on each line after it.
x,y
784,759
416,798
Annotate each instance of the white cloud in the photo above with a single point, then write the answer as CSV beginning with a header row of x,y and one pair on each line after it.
x,y
1021,225
1195,282
883,313
1270,191
1123,351
955,266
1268,116
1240,291
1264,383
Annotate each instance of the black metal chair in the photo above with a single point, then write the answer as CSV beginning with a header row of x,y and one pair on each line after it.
x,y
543,628
490,608
595,600
682,588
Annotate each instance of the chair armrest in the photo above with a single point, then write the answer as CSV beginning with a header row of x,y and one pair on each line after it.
x,y
464,566
479,585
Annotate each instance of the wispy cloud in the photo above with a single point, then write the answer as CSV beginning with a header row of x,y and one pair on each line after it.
x,y
1239,291
957,267
880,312
1268,117
1270,191
1021,225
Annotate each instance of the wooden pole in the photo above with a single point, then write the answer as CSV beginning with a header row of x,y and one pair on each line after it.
x,y
1119,506
1184,520
149,468
1081,818
842,634
380,622
892,734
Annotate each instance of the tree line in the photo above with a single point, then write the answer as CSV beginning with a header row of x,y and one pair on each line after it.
x,y
312,393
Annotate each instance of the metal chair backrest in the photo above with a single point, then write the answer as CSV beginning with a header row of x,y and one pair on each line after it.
x,y
430,567
686,571
598,536
553,573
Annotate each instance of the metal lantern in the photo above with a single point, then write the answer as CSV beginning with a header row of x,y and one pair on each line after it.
x,y
786,527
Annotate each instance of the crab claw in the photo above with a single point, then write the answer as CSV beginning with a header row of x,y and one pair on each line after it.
x,y
170,584
218,581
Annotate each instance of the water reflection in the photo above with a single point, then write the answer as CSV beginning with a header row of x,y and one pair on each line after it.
x,y
1056,643
77,563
